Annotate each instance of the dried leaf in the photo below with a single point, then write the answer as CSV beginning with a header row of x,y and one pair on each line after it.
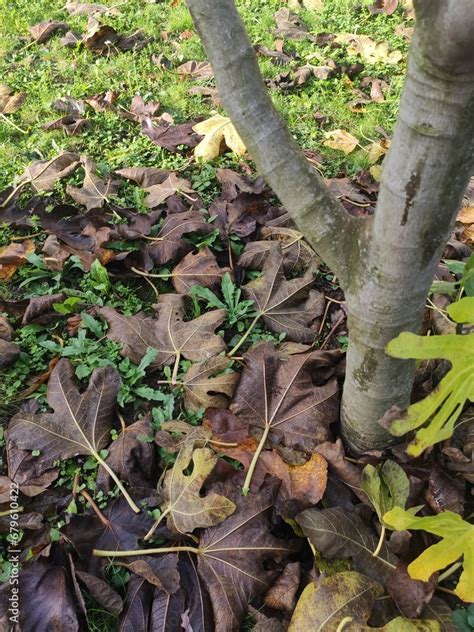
x,y
71,124
384,6
196,70
281,595
184,507
340,140
232,558
158,193
216,130
207,385
289,307
43,174
338,533
372,52
13,256
94,192
10,102
169,333
83,8
293,400
170,136
290,26
9,352
197,269
297,254
41,32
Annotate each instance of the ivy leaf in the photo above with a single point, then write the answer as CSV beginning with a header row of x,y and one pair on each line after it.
x,y
387,486
457,540
233,555
338,533
207,386
184,507
80,423
443,406
289,307
345,601
216,130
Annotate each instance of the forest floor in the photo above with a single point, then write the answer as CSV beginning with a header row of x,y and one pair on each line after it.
x,y
155,303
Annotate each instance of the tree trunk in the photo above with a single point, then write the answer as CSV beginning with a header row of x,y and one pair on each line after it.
x,y
386,263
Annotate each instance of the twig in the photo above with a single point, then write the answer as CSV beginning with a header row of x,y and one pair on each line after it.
x,y
95,508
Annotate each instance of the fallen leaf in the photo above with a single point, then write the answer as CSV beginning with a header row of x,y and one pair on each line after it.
x,y
209,385
173,337
216,130
457,537
281,595
13,256
289,307
41,32
184,506
233,554
386,486
293,401
297,254
70,106
170,136
144,176
158,193
140,110
10,102
290,26
197,269
338,533
384,6
342,468
43,174
9,353
101,592
410,595
196,70
279,56
70,124
346,596
104,102
83,8
340,140
94,192
372,52
137,606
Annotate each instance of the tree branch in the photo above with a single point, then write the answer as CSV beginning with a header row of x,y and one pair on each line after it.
x,y
332,232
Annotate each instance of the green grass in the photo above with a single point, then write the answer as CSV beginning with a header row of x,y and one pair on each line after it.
x,y
48,71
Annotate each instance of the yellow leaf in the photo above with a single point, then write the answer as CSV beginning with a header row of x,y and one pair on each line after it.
x,y
215,130
376,172
466,215
457,540
377,150
341,140
372,52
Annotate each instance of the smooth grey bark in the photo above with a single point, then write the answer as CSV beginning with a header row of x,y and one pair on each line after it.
x,y
386,263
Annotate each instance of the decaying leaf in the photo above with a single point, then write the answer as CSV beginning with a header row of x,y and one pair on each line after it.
x,y
216,130
297,254
80,423
457,540
170,136
341,140
293,401
86,8
94,192
232,558
290,26
173,337
158,193
197,269
442,407
10,102
13,256
71,124
184,507
41,32
289,307
384,6
43,174
196,70
209,385
337,533
372,52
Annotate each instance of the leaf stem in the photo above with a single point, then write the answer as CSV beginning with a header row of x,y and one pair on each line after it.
x,y
166,549
449,571
253,464
119,484
155,526
8,512
176,369
95,507
12,123
380,542
245,336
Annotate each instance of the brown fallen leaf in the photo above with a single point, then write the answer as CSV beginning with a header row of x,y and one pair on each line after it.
x,y
70,124
278,56
384,6
94,192
158,193
290,26
233,555
170,136
409,594
184,507
200,268
86,8
195,70
10,102
289,307
69,106
13,256
41,32
104,102
173,337
9,353
297,254
43,174
292,401
144,176
340,140
282,595
139,109
209,385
